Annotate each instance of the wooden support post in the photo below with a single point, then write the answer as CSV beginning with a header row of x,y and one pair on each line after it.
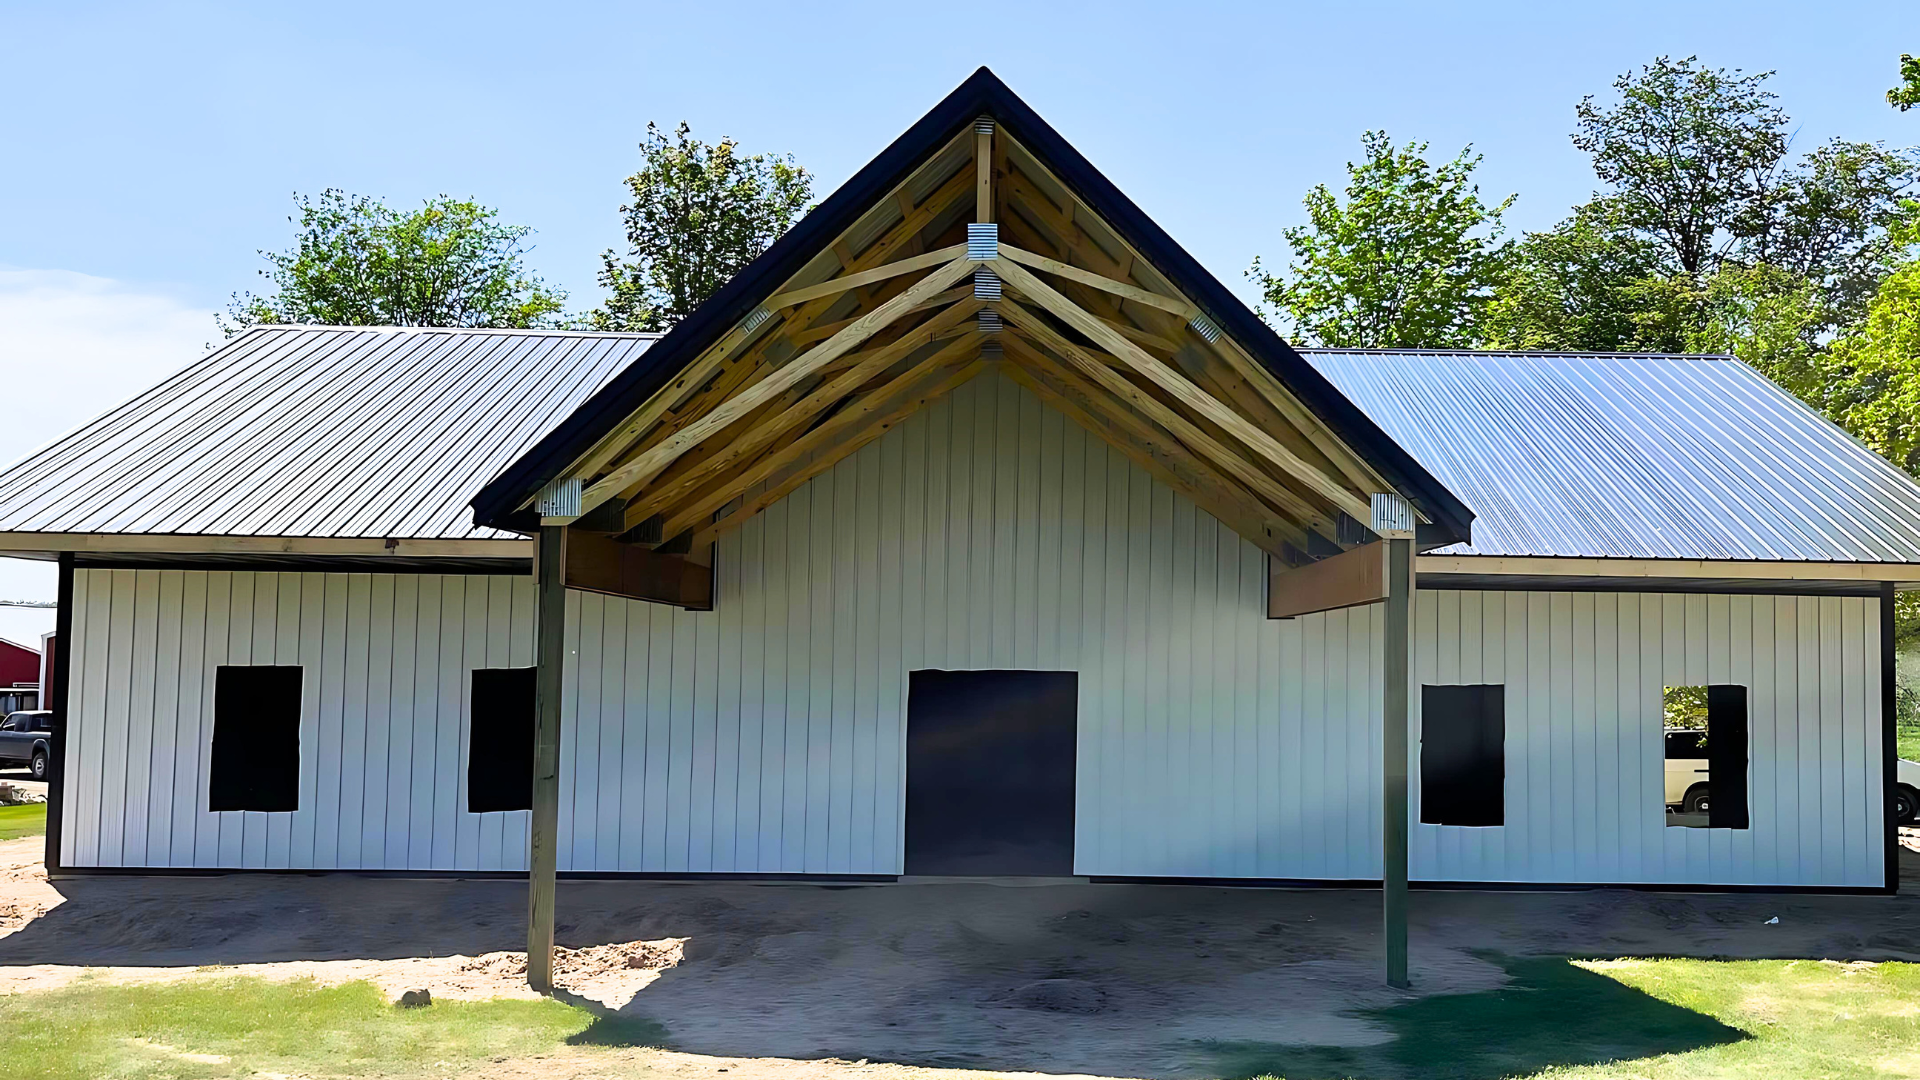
x,y
1397,644
983,169
544,836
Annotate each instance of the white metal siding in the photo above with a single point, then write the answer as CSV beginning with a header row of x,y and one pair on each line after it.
x,y
986,532
1584,674
383,718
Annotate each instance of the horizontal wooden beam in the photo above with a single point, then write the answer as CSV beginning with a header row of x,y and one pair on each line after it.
x,y
1349,579
1183,390
650,464
835,286
1104,284
833,455
598,563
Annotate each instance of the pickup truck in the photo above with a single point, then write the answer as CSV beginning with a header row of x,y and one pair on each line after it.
x,y
1686,780
26,738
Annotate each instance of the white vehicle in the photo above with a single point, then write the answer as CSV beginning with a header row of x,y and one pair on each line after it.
x,y
1686,770
1906,791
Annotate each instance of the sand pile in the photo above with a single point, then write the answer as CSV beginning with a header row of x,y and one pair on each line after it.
x,y
611,974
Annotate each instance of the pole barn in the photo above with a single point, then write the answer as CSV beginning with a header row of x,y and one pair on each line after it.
x,y
974,529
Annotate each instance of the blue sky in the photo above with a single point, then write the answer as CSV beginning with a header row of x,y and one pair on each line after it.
x,y
159,143
150,149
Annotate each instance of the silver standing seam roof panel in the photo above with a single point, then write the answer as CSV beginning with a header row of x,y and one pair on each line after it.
x,y
1633,456
388,432
317,432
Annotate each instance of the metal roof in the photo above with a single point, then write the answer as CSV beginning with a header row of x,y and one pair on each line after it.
x,y
387,432
317,431
1633,456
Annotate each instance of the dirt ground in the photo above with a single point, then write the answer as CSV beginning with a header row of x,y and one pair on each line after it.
x,y
1113,980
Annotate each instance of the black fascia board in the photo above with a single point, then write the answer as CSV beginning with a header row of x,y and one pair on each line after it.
x,y
981,94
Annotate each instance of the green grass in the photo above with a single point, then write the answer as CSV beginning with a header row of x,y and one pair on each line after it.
x,y
19,821
1657,1019
1907,735
1555,1019
183,1029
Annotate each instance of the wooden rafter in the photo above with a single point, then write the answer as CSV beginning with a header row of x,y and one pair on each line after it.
x,y
676,486
835,286
1104,284
791,325
1063,222
1224,457
851,418
710,362
1262,384
650,464
666,399
832,456
823,332
1151,448
1183,390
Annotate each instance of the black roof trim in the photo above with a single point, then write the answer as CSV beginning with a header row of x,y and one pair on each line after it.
x,y
982,93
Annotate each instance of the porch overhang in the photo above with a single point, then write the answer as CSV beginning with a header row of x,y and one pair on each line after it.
x,y
980,240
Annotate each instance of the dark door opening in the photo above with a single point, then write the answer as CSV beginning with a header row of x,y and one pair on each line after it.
x,y
990,772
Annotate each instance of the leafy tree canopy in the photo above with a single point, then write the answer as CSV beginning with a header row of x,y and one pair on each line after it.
x,y
1703,224
1409,259
357,262
697,215
1685,154
1907,94
1581,285
1869,381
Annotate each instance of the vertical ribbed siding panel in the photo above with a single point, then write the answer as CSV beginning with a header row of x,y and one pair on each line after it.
x,y
767,735
1811,667
382,736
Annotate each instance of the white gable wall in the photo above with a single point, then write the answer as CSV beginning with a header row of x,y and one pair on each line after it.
x,y
766,736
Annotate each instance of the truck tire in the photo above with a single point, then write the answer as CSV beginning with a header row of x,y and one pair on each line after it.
x,y
1696,800
39,764
1906,805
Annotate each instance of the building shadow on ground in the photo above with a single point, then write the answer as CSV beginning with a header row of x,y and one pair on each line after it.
x,y
1550,1014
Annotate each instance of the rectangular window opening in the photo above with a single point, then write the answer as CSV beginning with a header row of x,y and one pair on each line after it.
x,y
500,744
256,739
1704,742
1463,755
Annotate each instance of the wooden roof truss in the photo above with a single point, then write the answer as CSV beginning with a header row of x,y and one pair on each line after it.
x,y
896,312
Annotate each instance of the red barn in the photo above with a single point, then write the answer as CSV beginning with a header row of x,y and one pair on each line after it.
x,y
18,664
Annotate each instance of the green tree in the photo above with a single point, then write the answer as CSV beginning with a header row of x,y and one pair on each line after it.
x,y
1907,94
357,262
1580,286
1829,219
1408,260
1870,382
1686,154
1701,217
697,215
1769,317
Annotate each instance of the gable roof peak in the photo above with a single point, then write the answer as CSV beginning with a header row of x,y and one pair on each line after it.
x,y
502,502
